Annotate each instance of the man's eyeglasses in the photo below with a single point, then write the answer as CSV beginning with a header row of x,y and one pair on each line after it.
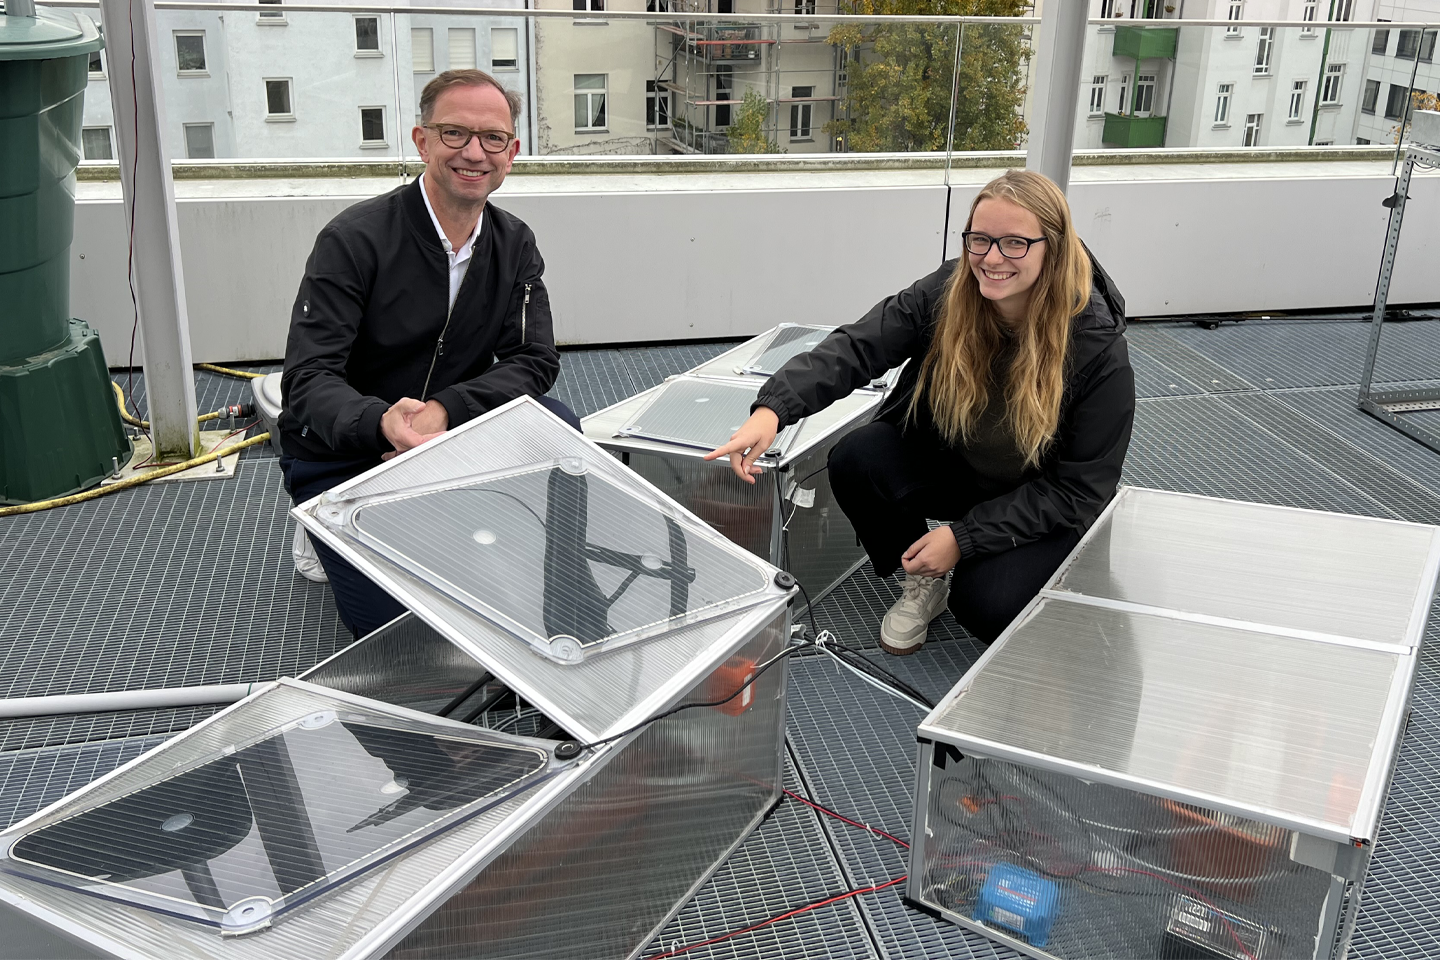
x,y
456,137
1012,248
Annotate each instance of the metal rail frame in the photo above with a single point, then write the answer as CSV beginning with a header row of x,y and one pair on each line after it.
x,y
1388,405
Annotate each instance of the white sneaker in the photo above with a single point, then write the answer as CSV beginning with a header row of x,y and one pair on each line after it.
x,y
307,562
904,627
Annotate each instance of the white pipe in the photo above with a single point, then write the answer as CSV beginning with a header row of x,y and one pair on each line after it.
x,y
122,700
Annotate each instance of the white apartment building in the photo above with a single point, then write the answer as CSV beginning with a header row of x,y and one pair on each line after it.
x,y
314,85
1221,86
635,87
1393,59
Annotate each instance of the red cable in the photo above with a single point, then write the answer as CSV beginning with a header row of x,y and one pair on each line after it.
x,y
778,917
862,826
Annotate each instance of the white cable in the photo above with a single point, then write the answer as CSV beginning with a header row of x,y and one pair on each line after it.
x,y
820,644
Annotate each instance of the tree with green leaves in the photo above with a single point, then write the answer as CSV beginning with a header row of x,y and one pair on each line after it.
x,y
747,128
899,78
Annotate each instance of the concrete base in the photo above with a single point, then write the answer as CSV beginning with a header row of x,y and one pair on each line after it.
x,y
60,430
140,464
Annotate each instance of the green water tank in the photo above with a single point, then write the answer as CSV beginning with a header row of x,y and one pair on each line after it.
x,y
60,429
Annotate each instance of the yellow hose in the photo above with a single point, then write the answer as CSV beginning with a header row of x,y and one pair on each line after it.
x,y
134,481
134,421
229,372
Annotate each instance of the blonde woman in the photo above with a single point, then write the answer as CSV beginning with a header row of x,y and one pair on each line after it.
x,y
1009,426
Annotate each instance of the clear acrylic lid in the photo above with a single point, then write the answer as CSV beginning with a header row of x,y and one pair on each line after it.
x,y
569,577
701,413
781,344
283,797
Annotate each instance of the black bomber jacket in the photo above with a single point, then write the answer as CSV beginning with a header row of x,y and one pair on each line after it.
x,y
1077,476
371,312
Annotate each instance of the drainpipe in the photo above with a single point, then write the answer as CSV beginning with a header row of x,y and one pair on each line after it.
x,y
1320,80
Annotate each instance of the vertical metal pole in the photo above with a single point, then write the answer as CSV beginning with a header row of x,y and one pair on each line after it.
x,y
149,195
1387,268
1057,82
20,8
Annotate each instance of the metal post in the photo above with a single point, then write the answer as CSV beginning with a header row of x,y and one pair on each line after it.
x,y
20,8
1387,269
1061,50
149,195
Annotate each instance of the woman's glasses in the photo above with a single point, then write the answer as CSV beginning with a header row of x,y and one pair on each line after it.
x,y
1012,248
456,137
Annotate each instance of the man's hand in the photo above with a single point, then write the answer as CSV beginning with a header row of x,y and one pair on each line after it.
x,y
410,423
749,443
933,555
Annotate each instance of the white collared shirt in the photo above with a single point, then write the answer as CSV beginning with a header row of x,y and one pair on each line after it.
x,y
459,259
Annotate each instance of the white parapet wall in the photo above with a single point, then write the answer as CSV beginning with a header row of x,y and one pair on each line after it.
x,y
651,256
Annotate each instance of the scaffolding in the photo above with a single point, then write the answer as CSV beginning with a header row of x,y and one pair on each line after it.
x,y
703,70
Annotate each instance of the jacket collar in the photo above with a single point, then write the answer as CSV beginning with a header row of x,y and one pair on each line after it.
x,y
417,214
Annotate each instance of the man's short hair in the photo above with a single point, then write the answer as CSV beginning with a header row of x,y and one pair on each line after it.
x,y
465,78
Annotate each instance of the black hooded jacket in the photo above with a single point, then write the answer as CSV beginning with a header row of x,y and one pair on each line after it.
x,y
1077,475
367,325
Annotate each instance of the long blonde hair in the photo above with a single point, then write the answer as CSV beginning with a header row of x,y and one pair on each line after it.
x,y
955,375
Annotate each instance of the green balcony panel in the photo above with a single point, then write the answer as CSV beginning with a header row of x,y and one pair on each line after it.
x,y
1145,43
1122,131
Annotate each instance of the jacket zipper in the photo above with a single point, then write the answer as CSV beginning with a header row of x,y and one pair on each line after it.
x,y
439,352
524,307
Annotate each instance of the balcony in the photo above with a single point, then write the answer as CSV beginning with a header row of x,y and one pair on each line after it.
x,y
721,42
1145,43
1133,132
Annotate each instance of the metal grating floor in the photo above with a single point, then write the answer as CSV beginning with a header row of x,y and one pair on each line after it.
x,y
191,583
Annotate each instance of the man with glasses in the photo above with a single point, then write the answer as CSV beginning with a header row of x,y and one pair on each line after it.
x,y
419,310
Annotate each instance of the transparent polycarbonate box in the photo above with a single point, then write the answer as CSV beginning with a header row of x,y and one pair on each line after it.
x,y
475,779
1182,747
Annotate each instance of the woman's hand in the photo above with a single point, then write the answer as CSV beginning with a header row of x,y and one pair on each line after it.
x,y
749,443
933,555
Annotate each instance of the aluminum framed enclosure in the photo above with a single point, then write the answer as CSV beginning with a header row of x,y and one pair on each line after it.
x,y
1389,406
422,793
1182,746
789,515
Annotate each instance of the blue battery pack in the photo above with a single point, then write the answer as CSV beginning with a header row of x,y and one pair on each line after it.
x,y
1019,900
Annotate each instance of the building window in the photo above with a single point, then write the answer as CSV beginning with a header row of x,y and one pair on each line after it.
x,y
1330,88
462,48
1362,142
372,126
1097,95
95,142
1123,105
1379,42
594,6
277,16
97,66
1395,102
190,52
422,49
1263,51
367,36
1308,15
1236,12
1372,96
1408,44
1345,10
1297,101
590,101
804,7
200,141
504,48
661,6
657,105
1144,94
1252,129
277,100
800,113
1222,104
1110,9
724,90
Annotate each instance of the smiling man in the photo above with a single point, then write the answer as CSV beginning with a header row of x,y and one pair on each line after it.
x,y
419,310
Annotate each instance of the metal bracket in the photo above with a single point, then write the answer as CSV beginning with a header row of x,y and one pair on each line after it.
x,y
1388,405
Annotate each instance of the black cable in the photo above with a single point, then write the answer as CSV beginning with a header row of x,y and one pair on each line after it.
x,y
859,659
809,609
689,706
469,692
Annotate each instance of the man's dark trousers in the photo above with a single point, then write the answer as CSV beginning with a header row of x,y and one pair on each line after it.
x,y
363,606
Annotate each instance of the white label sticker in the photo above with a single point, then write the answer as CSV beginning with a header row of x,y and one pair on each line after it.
x,y
804,497
1012,920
